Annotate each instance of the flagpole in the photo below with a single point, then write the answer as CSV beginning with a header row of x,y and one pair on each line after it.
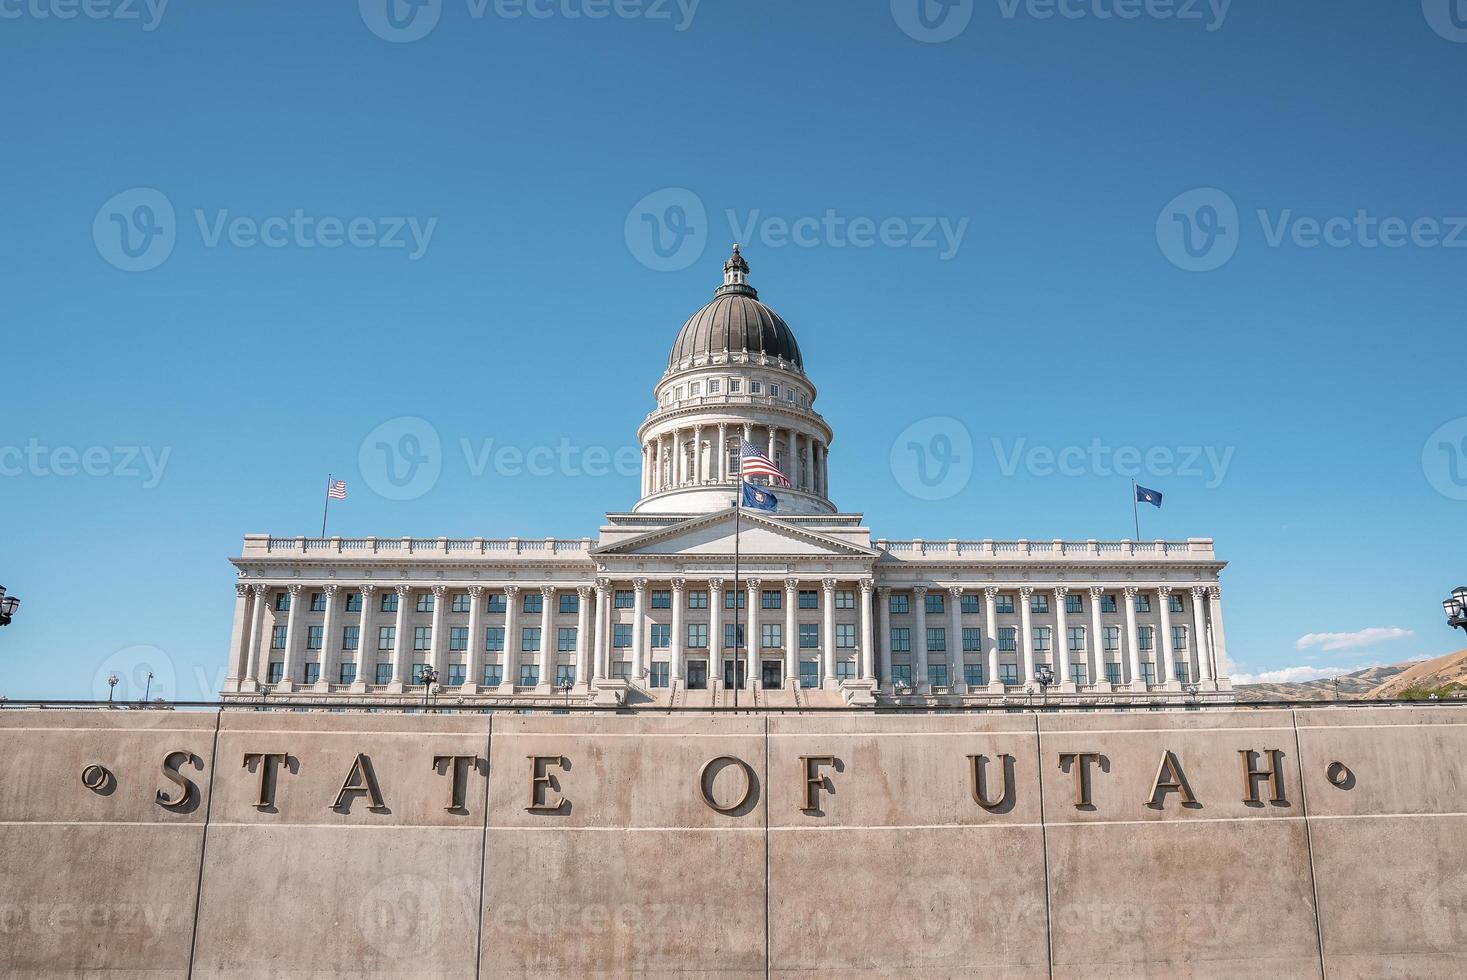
x,y
327,507
738,515
1135,510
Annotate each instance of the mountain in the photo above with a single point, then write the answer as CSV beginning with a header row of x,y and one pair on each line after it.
x,y
1448,669
1360,684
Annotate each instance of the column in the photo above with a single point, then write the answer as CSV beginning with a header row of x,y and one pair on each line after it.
x,y
1061,640
437,643
400,638
797,465
955,641
1026,639
1095,656
239,645
698,475
583,636
474,654
1132,642
547,640
791,632
990,636
292,637
602,668
720,463
1169,656
366,661
827,633
1199,635
678,642
868,660
677,458
752,646
770,431
510,659
639,629
329,643
883,618
715,632
255,668
919,641
1218,642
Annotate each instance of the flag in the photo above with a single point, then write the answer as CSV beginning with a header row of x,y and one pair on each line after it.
x,y
336,489
754,463
1145,496
757,498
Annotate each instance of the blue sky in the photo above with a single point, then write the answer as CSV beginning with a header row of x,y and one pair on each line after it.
x,y
1041,234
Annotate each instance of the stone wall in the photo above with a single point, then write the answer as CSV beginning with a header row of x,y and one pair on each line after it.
x,y
383,845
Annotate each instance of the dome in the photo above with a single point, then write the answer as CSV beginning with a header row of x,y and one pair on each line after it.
x,y
735,322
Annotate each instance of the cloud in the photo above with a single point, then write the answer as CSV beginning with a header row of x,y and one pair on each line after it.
x,y
1296,675
1369,636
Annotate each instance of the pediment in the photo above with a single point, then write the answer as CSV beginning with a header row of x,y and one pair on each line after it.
x,y
758,535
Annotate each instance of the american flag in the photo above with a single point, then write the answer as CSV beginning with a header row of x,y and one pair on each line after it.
x,y
754,463
336,489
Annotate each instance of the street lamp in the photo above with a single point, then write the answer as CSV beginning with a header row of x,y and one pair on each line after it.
x,y
430,677
8,605
1455,606
565,688
148,690
111,688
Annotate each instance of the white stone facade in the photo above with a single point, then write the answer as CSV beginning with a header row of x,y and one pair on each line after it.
x,y
645,612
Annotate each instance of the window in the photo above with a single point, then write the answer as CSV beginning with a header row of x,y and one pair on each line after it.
x,y
695,389
697,674
1182,672
1143,602
565,639
1003,604
1179,637
901,674
565,675
313,637
496,603
1039,603
277,638
973,675
755,387
1145,638
697,600
529,639
1008,673
533,602
318,602
1174,603
625,599
936,639
384,673
937,675
1113,673
1107,603
714,386
697,636
1075,638
312,673
661,599
282,602
1077,673
460,603
772,636
493,675
774,391
658,674
386,637
771,599
809,599
1041,639
845,670
968,603
494,639
389,602
845,599
277,671
422,637
529,675
901,639
1112,638
933,602
972,640
457,673
425,602
809,673
730,599
1008,639
845,636
661,636
1073,604
679,395
350,637
728,635
621,637
354,602
734,386
1148,672
418,671
458,638
347,673
897,602
809,636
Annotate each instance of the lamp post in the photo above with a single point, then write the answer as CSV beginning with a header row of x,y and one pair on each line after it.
x,y
111,688
8,605
148,690
430,677
1455,606
565,688
1045,677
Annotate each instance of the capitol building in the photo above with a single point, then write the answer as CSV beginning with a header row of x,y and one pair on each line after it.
x,y
653,610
